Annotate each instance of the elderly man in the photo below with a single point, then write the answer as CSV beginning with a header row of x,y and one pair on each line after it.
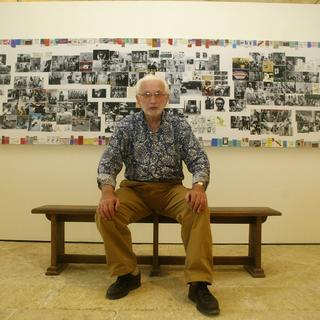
x,y
153,145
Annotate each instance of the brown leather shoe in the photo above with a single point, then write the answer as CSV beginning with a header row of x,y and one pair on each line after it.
x,y
123,286
205,300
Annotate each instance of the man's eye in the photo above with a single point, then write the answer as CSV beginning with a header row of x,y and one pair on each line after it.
x,y
157,95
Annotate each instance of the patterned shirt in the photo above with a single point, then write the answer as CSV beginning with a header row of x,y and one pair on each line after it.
x,y
150,156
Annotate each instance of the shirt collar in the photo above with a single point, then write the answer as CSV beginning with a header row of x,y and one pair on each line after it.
x,y
143,121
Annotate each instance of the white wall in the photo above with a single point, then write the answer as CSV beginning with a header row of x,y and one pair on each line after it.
x,y
285,179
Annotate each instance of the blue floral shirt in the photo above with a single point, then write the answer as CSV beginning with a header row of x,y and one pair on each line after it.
x,y
149,156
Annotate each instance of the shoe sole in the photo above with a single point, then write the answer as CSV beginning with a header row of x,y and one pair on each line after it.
x,y
124,294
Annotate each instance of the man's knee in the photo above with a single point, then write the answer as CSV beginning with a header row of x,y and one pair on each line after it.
x,y
190,217
119,220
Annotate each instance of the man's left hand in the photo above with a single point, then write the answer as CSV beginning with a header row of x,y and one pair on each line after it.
x,y
197,198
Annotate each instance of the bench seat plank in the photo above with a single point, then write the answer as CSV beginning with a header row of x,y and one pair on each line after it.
x,y
253,216
215,211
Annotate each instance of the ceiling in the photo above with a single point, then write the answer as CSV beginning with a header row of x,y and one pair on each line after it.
x,y
259,1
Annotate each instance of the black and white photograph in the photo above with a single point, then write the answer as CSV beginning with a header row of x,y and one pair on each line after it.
x,y
55,78
133,78
103,77
271,122
91,109
77,95
64,116
191,88
79,110
45,65
3,59
95,124
241,123
192,106
109,126
153,54
47,126
88,77
175,91
5,69
113,109
312,100
71,78
221,90
236,105
99,93
139,56
10,107
119,79
153,65
308,121
100,55
221,78
65,63
118,92
213,63
278,58
20,82
175,111
35,82
220,104
5,79
209,103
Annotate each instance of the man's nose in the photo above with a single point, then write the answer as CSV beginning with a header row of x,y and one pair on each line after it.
x,y
153,98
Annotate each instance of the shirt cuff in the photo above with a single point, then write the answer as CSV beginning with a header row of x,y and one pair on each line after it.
x,y
201,178
104,179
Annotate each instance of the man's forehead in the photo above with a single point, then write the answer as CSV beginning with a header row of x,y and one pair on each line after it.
x,y
156,85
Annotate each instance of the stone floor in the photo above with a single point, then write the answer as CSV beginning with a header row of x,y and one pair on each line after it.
x,y
291,289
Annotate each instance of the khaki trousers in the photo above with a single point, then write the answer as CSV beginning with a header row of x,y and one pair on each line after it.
x,y
139,199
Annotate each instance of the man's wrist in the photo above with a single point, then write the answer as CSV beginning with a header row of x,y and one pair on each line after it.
x,y
199,185
106,188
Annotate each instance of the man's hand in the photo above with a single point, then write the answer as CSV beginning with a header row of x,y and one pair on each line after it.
x,y
109,203
197,198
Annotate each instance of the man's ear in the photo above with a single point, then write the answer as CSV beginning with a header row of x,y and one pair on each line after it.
x,y
168,98
137,101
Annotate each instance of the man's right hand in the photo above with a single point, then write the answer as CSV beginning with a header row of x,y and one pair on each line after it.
x,y
109,202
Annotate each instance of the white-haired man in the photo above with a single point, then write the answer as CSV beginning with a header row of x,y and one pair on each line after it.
x,y
153,145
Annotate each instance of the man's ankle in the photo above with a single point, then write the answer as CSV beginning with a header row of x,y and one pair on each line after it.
x,y
135,272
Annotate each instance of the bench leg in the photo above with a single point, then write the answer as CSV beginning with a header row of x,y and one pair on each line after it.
x,y
254,268
155,270
57,247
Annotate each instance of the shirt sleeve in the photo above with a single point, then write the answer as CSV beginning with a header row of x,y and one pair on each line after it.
x,y
193,155
111,161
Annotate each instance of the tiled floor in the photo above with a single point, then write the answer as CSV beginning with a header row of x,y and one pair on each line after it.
x,y
291,289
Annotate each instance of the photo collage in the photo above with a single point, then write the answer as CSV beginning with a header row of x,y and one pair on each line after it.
x,y
253,94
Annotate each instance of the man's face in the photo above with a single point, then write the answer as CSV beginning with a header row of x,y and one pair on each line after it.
x,y
152,98
219,104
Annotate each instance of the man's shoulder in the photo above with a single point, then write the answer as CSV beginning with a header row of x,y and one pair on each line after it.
x,y
177,121
129,121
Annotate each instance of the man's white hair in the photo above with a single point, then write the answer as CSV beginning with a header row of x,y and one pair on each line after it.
x,y
149,77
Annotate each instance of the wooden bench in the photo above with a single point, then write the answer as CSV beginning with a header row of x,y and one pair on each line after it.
x,y
253,216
